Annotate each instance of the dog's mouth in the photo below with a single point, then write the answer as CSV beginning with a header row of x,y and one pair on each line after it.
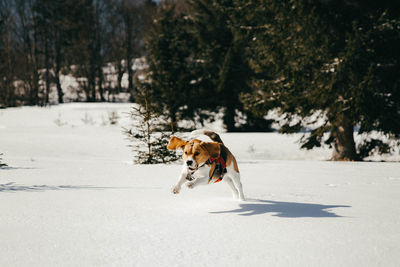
x,y
196,168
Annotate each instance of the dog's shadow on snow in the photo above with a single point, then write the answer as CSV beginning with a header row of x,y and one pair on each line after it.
x,y
284,209
12,187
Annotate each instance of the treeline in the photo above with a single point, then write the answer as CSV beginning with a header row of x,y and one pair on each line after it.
x,y
332,66
95,41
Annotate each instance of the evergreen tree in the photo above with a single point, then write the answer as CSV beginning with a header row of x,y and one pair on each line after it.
x,y
197,56
225,71
169,73
147,133
335,61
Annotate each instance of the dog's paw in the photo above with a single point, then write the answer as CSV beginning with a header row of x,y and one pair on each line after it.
x,y
175,190
190,185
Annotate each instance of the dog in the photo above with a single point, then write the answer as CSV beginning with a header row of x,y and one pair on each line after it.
x,y
207,162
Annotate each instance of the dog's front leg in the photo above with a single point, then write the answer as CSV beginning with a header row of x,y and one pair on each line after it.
x,y
181,180
197,181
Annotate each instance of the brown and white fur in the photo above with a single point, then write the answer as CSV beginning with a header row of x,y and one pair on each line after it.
x,y
195,155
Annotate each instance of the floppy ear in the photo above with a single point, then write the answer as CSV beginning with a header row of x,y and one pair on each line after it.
x,y
175,143
212,148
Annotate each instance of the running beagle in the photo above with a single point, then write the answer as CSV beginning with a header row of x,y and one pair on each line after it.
x,y
207,162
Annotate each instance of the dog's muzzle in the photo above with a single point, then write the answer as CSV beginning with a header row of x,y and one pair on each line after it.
x,y
192,170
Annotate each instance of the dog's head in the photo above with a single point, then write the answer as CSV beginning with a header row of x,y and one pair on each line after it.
x,y
195,152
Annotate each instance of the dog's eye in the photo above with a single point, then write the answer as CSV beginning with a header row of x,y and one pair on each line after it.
x,y
185,153
196,154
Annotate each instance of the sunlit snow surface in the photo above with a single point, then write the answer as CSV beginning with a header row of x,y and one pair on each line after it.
x,y
71,197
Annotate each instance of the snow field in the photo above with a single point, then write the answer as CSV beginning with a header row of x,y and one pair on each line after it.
x,y
71,197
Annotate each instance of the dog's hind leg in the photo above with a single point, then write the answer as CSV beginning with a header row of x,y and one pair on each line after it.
x,y
235,192
235,176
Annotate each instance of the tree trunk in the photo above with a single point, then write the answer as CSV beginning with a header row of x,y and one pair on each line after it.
x,y
130,76
120,75
47,63
9,87
59,88
100,83
33,79
34,98
57,68
173,120
35,57
229,118
92,77
129,51
344,148
97,51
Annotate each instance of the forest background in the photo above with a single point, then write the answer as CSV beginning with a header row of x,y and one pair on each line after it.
x,y
327,68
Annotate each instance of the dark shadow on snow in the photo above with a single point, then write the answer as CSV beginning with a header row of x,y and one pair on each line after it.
x,y
284,209
12,187
16,168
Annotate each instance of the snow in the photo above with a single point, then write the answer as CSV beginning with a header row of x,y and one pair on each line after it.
x,y
72,197
72,85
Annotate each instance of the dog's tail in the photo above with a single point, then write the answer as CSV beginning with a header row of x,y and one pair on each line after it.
x,y
214,136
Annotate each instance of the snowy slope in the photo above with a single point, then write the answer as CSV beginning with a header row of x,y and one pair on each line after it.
x,y
71,197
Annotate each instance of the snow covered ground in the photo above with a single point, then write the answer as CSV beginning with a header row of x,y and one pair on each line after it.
x,y
72,197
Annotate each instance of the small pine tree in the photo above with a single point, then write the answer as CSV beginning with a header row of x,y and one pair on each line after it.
x,y
1,161
147,134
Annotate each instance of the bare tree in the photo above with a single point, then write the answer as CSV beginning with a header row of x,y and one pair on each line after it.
x,y
7,56
27,32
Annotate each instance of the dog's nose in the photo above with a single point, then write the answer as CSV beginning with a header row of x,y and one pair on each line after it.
x,y
189,162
